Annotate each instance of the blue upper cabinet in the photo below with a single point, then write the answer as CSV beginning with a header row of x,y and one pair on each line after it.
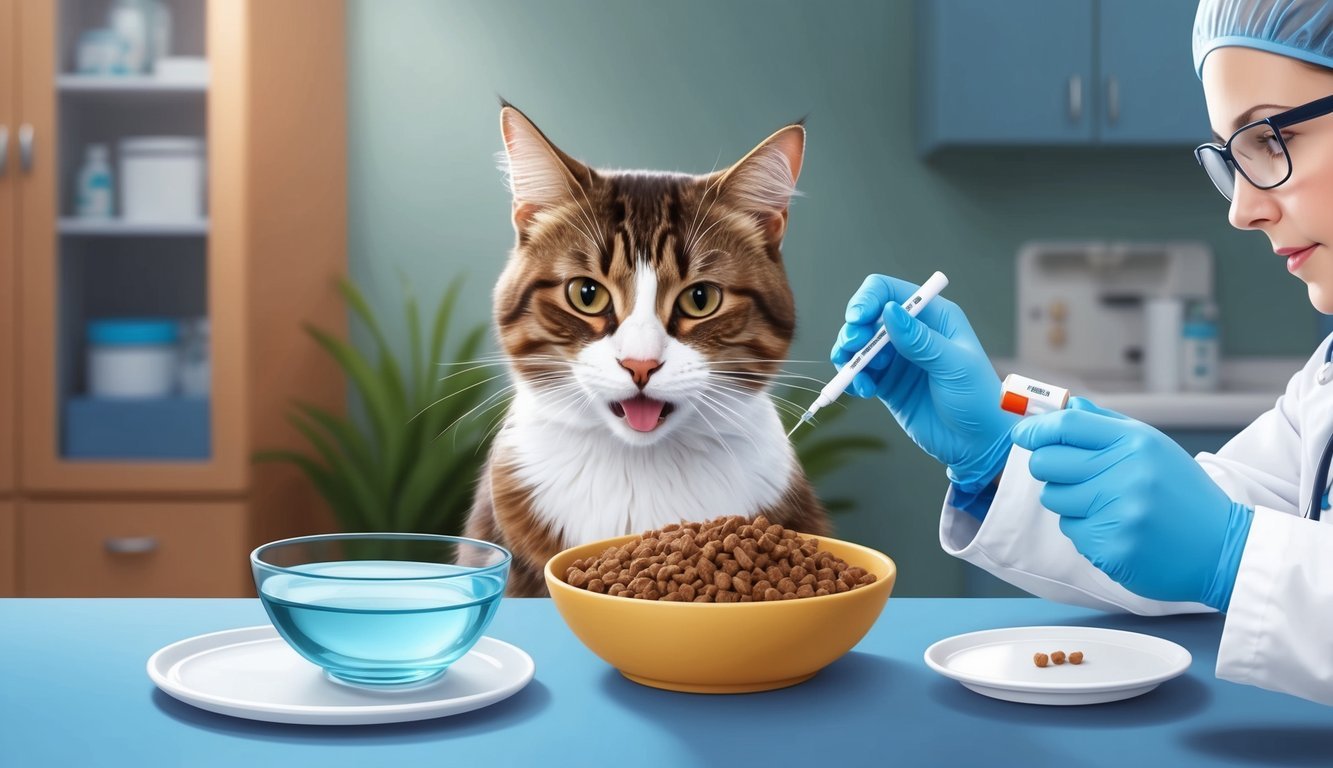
x,y
1056,72
1013,72
1150,94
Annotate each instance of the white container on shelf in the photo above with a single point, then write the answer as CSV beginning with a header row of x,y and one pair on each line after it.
x,y
162,178
132,358
194,358
131,20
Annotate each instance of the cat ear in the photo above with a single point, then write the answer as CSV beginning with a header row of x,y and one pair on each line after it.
x,y
539,174
764,181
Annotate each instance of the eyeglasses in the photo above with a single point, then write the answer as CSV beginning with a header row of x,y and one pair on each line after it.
x,y
1257,150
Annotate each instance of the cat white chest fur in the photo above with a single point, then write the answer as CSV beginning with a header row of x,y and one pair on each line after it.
x,y
589,484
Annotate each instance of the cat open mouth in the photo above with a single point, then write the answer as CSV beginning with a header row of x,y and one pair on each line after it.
x,y
642,413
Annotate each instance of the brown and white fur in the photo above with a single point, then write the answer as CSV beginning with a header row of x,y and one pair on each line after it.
x,y
569,466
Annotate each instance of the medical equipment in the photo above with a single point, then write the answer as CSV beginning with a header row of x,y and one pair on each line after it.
x,y
1029,397
1319,492
1082,305
831,391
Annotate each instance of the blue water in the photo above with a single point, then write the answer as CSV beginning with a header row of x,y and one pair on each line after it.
x,y
378,632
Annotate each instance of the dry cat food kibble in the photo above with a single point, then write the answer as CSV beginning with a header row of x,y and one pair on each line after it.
x,y
1057,657
725,560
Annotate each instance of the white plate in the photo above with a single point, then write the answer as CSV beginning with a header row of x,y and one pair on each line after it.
x,y
253,673
1116,664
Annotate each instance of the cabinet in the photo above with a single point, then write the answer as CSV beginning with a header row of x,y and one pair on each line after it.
x,y
108,549
258,262
8,547
1057,72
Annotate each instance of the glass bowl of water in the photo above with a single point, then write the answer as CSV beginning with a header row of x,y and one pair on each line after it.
x,y
381,609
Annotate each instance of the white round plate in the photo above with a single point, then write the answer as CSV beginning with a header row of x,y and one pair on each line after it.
x,y
253,673
1116,664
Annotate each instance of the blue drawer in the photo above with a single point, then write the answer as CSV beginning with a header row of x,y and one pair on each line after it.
x,y
166,428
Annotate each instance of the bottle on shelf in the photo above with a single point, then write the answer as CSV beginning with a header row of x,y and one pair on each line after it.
x,y
131,21
1200,348
95,185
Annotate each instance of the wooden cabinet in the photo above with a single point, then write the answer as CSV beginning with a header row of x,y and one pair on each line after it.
x,y
270,112
121,549
8,269
8,550
1057,72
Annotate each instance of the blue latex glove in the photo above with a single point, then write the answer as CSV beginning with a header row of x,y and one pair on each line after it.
x,y
1136,505
934,378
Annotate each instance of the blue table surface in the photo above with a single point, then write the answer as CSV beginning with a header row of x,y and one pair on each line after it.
x,y
74,692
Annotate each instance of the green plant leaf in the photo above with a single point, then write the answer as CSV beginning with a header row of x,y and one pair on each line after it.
x,y
820,457
438,333
393,378
343,507
355,486
387,425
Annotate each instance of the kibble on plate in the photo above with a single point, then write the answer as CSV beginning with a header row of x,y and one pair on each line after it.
x,y
729,559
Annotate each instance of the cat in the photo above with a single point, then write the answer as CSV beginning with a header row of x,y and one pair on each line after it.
x,y
644,316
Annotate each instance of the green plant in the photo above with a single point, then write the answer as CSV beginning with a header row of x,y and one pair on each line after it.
x,y
825,452
398,471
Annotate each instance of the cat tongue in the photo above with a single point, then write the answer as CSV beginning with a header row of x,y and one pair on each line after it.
x,y
642,412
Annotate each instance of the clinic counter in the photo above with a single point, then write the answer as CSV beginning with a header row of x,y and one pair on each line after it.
x,y
73,691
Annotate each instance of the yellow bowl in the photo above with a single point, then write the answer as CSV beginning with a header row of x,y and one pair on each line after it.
x,y
721,647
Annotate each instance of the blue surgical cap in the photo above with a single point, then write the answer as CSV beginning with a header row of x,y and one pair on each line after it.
x,y
1301,29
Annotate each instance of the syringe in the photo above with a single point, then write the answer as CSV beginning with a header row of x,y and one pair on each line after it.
x,y
831,391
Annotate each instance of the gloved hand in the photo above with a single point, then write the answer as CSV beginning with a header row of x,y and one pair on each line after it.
x,y
934,378
1136,505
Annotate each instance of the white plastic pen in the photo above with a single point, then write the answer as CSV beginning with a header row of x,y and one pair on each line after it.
x,y
831,391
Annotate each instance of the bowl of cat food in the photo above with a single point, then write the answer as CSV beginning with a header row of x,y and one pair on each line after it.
x,y
731,605
381,610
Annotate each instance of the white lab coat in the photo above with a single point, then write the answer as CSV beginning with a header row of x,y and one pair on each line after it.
x,y
1278,632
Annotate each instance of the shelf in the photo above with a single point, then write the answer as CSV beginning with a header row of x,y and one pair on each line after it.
x,y
169,428
120,228
128,84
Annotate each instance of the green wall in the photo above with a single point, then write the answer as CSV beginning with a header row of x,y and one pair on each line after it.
x,y
687,85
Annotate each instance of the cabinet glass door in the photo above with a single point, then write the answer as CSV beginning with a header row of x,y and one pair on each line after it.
x,y
132,227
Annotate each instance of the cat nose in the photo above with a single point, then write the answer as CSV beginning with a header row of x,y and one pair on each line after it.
x,y
641,370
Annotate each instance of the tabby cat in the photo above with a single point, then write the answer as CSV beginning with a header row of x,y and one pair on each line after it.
x,y
644,316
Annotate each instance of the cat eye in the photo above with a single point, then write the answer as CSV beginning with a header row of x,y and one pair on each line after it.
x,y
699,300
588,296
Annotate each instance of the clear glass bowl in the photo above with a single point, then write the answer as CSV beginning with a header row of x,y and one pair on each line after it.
x,y
381,609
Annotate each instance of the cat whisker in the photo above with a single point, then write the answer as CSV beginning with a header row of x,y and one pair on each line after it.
x,y
460,391
741,429
767,380
780,401
762,360
721,440
782,404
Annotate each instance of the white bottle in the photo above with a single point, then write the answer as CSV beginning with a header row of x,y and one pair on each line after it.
x,y
95,184
130,21
1163,318
1200,349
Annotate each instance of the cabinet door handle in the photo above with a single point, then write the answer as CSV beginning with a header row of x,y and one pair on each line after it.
x,y
1112,99
4,149
131,545
1075,97
26,137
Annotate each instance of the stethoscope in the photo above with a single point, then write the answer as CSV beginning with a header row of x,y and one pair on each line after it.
x,y
1319,493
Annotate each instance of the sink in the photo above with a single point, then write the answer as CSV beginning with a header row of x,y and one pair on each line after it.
x,y
1249,387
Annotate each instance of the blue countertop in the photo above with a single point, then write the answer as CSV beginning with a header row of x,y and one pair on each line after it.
x,y
73,691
